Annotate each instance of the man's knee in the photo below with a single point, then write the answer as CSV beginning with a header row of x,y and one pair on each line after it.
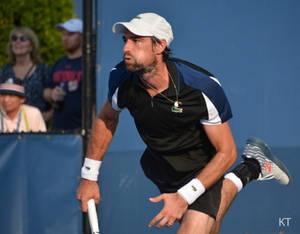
x,y
229,192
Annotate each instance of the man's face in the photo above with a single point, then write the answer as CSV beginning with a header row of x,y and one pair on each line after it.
x,y
10,102
71,41
139,54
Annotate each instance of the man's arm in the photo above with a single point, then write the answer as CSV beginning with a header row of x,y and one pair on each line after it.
x,y
221,138
102,133
174,204
103,130
54,94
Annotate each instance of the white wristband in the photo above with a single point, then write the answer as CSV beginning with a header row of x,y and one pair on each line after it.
x,y
191,191
90,169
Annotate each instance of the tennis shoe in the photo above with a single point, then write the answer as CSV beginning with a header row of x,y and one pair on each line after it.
x,y
270,166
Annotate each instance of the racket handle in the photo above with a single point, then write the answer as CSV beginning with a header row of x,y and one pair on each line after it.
x,y
93,219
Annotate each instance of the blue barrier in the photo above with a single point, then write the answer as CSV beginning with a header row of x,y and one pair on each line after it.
x,y
260,208
39,177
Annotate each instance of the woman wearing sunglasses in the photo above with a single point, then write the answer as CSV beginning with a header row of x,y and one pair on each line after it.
x,y
23,51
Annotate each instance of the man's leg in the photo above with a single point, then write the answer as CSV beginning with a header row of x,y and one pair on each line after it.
x,y
229,192
196,222
260,164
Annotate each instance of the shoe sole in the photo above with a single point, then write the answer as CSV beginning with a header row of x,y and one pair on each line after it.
x,y
266,150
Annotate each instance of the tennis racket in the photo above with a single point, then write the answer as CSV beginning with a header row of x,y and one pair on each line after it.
x,y
93,218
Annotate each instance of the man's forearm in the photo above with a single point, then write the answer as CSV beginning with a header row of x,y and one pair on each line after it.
x,y
207,177
103,130
102,134
217,167
221,138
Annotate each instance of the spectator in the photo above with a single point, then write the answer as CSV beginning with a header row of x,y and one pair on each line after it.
x,y
25,64
16,116
64,87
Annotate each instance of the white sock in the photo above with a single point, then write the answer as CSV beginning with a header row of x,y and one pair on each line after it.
x,y
236,180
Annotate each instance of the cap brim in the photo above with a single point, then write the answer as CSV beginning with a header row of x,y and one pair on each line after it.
x,y
63,27
122,27
59,26
7,91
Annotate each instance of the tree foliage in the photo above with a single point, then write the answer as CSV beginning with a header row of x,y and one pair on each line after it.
x,y
39,15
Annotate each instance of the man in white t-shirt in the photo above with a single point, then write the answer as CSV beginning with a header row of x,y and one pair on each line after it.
x,y
14,115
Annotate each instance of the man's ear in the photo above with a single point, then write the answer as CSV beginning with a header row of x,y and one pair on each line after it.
x,y
160,46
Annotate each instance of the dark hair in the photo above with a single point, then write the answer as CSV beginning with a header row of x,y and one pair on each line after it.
x,y
166,52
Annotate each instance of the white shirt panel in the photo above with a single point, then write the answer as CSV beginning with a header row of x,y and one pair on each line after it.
x,y
114,101
213,114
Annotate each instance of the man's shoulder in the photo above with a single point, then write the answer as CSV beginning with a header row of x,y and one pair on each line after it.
x,y
184,63
118,77
62,59
119,73
64,63
119,68
196,76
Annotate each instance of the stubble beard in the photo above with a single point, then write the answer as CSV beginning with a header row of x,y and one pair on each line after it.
x,y
140,69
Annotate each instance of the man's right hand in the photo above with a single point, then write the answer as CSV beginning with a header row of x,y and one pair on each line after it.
x,y
88,190
58,94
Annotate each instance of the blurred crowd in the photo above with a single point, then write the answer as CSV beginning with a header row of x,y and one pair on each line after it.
x,y
35,97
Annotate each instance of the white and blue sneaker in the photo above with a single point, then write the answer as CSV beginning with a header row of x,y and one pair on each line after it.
x,y
270,166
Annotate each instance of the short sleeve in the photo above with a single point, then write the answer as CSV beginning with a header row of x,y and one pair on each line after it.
x,y
117,77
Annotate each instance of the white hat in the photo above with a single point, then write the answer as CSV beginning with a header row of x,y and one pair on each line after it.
x,y
72,25
147,24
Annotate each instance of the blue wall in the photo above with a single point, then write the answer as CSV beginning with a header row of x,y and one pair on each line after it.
x,y
251,46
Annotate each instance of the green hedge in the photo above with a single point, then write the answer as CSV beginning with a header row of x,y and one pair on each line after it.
x,y
39,15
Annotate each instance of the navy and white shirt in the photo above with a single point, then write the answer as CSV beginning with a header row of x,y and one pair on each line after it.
x,y
67,73
202,99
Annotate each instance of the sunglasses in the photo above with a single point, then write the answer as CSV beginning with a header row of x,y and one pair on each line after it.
x,y
22,38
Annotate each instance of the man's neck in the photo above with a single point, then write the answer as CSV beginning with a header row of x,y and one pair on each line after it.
x,y
157,79
75,54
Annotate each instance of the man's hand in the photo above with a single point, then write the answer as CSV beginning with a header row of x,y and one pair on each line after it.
x,y
173,210
58,94
86,191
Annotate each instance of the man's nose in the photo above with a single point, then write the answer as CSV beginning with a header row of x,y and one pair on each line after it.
x,y
127,46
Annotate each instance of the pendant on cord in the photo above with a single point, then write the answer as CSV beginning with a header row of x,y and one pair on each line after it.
x,y
176,108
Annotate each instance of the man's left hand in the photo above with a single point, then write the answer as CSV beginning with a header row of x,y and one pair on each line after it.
x,y
173,210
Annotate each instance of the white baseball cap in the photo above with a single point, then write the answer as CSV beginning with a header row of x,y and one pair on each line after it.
x,y
147,24
71,25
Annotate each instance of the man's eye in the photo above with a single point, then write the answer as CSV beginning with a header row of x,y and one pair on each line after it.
x,y
135,40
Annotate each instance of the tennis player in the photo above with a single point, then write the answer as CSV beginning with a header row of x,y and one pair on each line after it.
x,y
181,112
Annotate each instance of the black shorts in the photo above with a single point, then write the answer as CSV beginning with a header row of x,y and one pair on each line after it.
x,y
168,180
